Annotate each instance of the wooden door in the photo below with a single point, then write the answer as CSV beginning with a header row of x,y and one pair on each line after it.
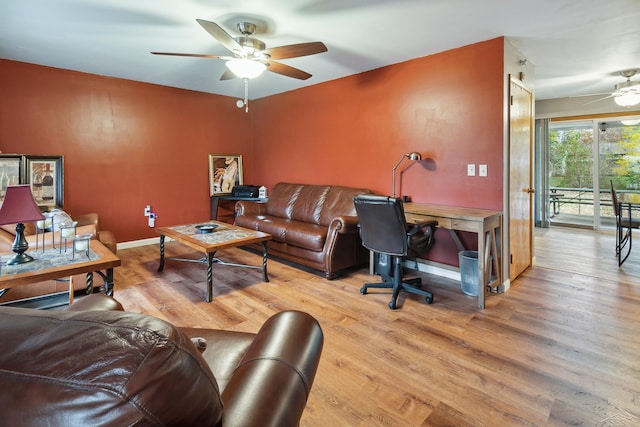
x,y
520,178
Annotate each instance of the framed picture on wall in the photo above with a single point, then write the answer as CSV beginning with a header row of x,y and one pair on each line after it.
x,y
225,172
44,174
11,171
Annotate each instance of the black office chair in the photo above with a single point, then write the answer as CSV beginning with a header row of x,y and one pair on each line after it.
x,y
624,226
384,230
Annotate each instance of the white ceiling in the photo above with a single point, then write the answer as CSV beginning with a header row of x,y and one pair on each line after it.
x,y
578,47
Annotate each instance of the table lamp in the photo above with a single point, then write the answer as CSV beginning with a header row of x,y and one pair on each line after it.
x,y
411,156
19,207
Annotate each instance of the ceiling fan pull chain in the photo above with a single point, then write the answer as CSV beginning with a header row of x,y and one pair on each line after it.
x,y
246,95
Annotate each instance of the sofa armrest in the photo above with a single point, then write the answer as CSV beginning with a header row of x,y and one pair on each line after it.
x,y
87,219
95,302
248,207
108,239
6,240
271,384
345,225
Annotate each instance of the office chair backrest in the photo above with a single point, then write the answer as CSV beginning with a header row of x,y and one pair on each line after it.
x,y
382,224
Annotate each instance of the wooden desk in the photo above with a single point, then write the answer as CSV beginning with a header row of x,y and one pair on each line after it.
x,y
53,265
487,224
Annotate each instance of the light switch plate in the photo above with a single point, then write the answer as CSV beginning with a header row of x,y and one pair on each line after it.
x,y
482,170
471,169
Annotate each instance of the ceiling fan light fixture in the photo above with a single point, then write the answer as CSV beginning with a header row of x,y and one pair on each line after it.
x,y
627,99
631,122
246,68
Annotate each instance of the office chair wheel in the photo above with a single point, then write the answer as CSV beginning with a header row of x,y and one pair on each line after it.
x,y
363,290
429,300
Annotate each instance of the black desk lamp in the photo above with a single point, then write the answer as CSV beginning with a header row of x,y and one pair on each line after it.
x,y
19,207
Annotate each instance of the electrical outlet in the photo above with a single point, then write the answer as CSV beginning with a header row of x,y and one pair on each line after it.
x,y
147,210
482,170
471,169
152,219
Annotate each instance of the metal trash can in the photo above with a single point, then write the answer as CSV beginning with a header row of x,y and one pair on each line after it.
x,y
469,280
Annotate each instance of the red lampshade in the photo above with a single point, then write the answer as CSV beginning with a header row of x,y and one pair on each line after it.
x,y
19,206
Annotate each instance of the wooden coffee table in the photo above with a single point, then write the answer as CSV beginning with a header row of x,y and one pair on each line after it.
x,y
222,236
55,264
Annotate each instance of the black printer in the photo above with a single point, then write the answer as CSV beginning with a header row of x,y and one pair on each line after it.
x,y
250,191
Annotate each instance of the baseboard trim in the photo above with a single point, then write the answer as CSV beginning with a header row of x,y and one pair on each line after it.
x,y
439,269
137,243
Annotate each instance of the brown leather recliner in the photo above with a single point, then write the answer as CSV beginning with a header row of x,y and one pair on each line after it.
x,y
96,365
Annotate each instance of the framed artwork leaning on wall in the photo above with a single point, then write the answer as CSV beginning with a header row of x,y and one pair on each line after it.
x,y
11,172
225,172
45,175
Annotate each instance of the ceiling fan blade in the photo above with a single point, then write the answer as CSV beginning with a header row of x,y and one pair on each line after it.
x,y
295,50
599,99
286,70
221,35
227,75
195,55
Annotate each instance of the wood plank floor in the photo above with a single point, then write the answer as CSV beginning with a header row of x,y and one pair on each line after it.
x,y
561,347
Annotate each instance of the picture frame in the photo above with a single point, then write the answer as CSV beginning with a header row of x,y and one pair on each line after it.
x,y
225,172
11,172
45,175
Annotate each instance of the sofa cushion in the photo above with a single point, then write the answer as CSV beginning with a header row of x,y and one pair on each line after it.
x,y
309,203
304,235
273,225
282,198
135,370
339,202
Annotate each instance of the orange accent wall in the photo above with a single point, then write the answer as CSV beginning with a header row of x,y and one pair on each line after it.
x,y
125,144
448,107
128,144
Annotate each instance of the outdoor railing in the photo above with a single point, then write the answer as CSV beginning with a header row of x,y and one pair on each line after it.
x,y
579,201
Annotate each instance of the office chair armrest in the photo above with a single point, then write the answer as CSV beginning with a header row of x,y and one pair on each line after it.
x,y
414,228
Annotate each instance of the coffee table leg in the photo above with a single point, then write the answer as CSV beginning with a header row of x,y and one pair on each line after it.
x,y
89,283
161,266
265,277
209,294
108,283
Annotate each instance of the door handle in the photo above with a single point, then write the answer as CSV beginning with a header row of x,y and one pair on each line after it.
x,y
529,190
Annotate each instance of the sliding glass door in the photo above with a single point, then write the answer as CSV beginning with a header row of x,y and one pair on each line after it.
x,y
571,166
619,158
579,182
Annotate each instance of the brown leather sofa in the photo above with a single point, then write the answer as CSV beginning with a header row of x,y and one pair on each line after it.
x,y
96,365
313,225
87,224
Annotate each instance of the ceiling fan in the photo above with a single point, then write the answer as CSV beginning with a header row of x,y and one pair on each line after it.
x,y
250,55
626,94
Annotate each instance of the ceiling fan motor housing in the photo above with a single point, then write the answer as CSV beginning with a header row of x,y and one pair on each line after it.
x,y
250,45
